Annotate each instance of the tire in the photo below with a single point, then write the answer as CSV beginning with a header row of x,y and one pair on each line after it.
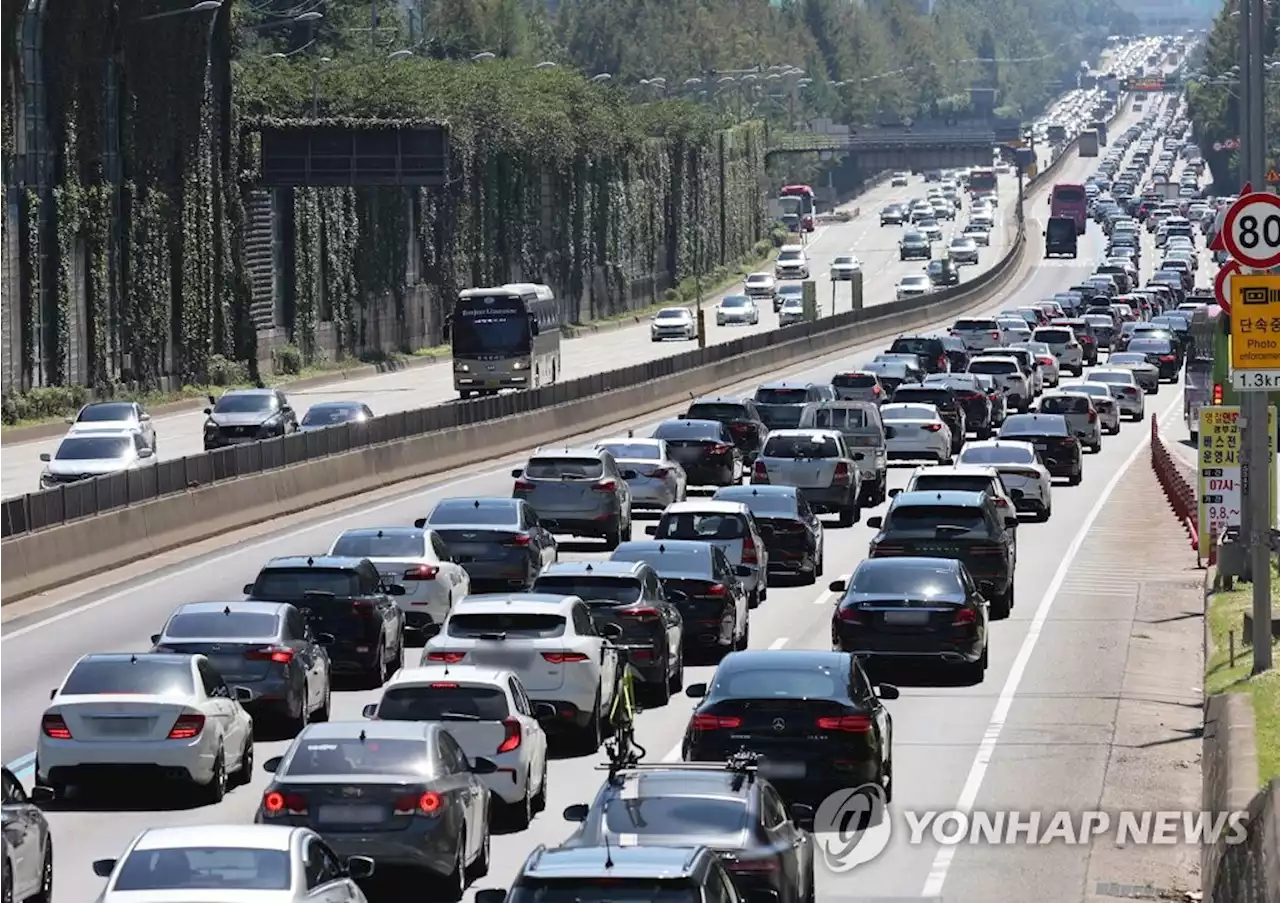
x,y
517,815
754,600
850,514
591,736
296,724
7,894
745,640
1076,478
613,538
322,714
1140,416
1043,514
677,680
244,774
454,884
1001,608
213,792
484,858
974,672
45,893
378,674
540,798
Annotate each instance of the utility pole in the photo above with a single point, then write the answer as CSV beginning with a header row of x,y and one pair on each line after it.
x,y
1258,466
1245,160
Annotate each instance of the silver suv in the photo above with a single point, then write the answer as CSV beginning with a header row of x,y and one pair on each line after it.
x,y
578,491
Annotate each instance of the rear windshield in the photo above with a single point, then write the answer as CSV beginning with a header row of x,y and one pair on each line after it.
x,y
701,527
941,398
1064,404
141,674
1053,336
924,517
230,626
965,483
372,756
522,625
907,579
1154,346
605,890
288,584
329,415
380,545
462,511
993,367
1123,379
910,412
993,454
722,411
205,868
801,447
667,816
782,396
633,451
1034,426
766,504
968,325
916,346
441,702
623,590
843,419
106,413
778,683
670,561
693,430
564,469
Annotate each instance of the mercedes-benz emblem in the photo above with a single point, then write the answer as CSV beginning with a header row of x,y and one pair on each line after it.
x,y
351,791
779,724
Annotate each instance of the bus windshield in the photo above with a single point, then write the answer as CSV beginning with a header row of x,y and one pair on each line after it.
x,y
498,328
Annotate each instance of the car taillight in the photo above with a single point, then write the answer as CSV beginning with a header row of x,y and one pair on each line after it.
x,y
55,727
1130,390
760,473
875,390
964,616
852,724
995,335
749,553
366,610
850,615
186,727
715,723
429,804
1047,359
275,802
942,361
644,613
1093,416
605,486
932,427
886,548
511,741
841,475
719,449
1168,357
564,658
278,654
523,486
716,589
422,572
658,474
449,658
988,551
1217,393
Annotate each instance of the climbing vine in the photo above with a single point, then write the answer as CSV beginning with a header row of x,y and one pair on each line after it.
x,y
307,261
97,227
33,256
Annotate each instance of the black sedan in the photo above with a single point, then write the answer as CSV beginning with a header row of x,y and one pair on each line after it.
x,y
728,808
793,534
705,449
1053,441
498,541
814,711
912,610
1160,353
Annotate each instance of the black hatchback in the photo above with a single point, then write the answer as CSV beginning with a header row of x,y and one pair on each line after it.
x,y
815,711
740,416
929,348
945,400
705,449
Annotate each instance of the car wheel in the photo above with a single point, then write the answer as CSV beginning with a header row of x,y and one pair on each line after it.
x,y
517,815
1076,478
322,713
1003,606
613,538
8,884
455,883
753,601
298,721
216,789
677,679
974,672
1140,416
540,798
850,514
590,737
378,673
480,867
745,640
244,774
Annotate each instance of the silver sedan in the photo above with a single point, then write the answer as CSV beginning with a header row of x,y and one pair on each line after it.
x,y
1107,407
1124,389
659,480
1146,373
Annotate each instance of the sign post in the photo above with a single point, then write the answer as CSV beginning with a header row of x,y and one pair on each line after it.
x,y
1219,489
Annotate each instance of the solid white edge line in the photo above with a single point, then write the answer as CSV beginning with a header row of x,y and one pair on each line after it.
x,y
986,748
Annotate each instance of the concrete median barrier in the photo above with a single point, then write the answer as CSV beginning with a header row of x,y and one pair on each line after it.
x,y
40,559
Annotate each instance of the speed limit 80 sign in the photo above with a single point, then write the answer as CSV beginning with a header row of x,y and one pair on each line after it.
x,y
1251,230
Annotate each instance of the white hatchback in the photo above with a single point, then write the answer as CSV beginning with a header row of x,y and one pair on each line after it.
x,y
915,431
1020,468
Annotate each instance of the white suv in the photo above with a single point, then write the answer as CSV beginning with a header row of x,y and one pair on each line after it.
x,y
549,642
792,263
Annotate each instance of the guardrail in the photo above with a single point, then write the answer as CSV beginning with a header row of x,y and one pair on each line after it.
x,y
819,141
73,531
1178,486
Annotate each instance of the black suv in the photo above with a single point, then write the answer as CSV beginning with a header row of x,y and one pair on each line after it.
x,y
979,416
929,348
631,595
1053,441
946,400
346,598
617,872
705,449
953,524
739,415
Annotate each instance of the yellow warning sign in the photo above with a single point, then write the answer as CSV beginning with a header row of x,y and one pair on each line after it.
x,y
1255,322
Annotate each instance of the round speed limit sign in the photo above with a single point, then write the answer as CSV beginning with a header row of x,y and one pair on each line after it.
x,y
1251,230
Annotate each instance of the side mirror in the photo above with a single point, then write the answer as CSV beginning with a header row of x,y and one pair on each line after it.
x,y
887,691
144,453
212,400
1011,522
248,589
651,530
801,813
576,812
544,711
696,691
395,589
682,417
370,711
894,493
890,432
104,867
272,764
155,638
875,523
145,417
517,472
325,639
1016,494
208,411
53,692
420,523
743,571
838,586
359,867
491,895
243,695
483,766
46,457
41,794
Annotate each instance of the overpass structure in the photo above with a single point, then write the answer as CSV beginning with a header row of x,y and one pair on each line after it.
x,y
881,149
1171,16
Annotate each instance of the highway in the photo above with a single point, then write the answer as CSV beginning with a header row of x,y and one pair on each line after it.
x,y
1031,736
180,434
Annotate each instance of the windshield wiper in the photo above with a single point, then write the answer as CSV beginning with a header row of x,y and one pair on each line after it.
x,y
458,716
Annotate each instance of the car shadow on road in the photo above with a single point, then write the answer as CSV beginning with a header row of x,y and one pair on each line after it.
x,y
130,797
919,675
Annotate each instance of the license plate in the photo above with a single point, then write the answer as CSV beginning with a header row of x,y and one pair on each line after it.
x,y
351,815
906,617
122,727
1041,446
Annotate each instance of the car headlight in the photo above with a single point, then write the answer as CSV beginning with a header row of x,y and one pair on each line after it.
x,y
461,368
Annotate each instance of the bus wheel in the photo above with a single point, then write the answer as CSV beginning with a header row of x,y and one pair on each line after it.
x,y
464,394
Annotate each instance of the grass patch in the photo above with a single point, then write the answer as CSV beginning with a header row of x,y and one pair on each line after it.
x,y
1226,610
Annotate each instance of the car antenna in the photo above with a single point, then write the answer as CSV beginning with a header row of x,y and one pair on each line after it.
x,y
226,609
310,561
379,534
476,503
362,735
608,851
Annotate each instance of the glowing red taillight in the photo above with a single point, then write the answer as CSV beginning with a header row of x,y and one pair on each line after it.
x,y
276,803
524,486
749,553
55,727
187,727
511,741
277,654
422,572
964,617
564,658
429,804
760,473
841,476
606,486
449,658
851,724
715,723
